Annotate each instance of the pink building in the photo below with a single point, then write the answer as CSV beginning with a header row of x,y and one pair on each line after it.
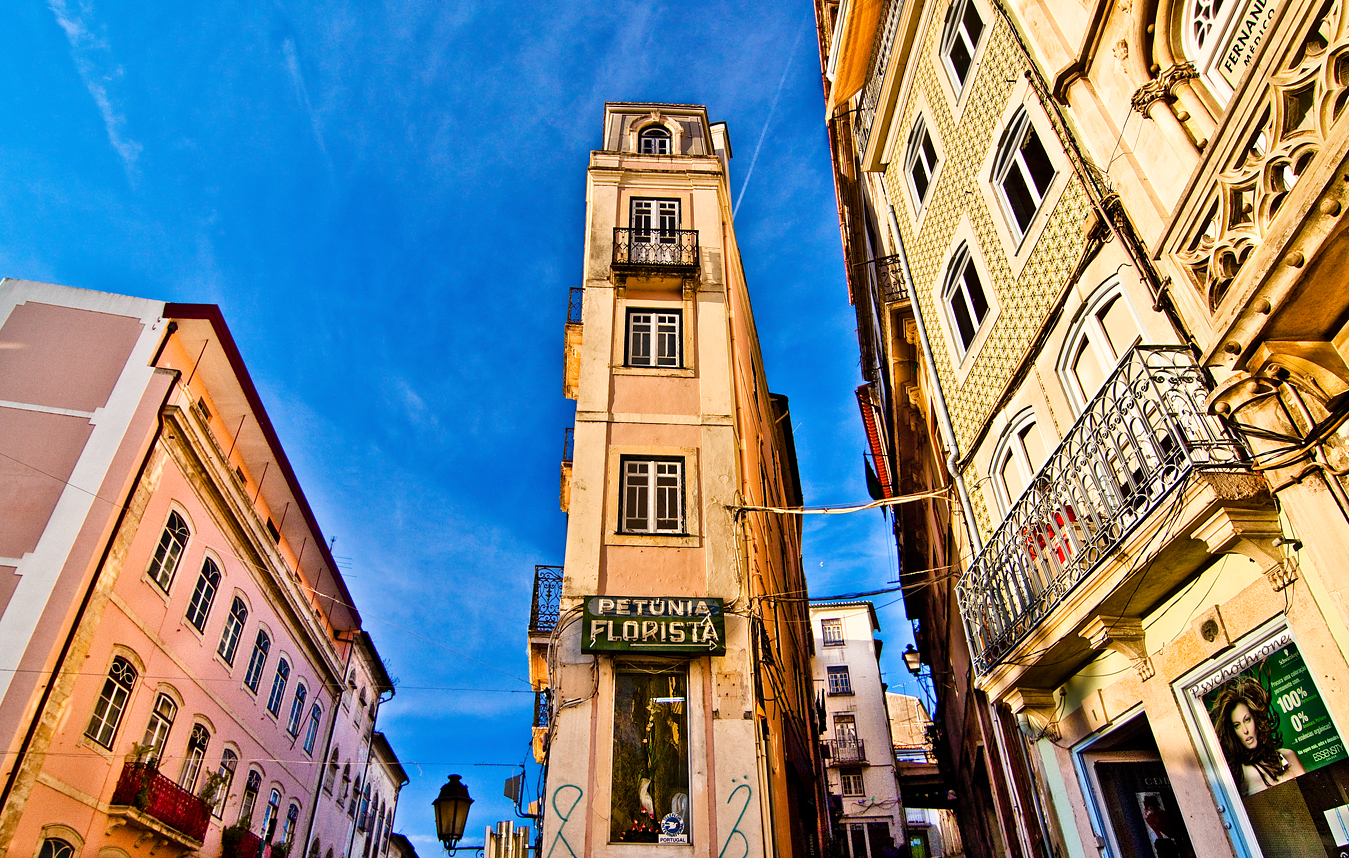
x,y
174,634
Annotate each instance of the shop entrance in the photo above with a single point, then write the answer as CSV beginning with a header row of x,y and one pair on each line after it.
x,y
1131,794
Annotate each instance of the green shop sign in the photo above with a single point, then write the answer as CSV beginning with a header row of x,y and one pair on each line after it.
x,y
653,624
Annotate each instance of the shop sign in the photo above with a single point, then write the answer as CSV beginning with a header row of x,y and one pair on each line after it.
x,y
1275,739
1247,34
669,625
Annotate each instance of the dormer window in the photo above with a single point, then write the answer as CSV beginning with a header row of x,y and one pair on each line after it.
x,y
654,140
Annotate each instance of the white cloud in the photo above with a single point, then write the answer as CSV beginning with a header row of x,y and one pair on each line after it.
x,y
302,91
94,62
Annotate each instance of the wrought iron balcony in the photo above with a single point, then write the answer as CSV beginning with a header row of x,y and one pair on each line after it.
x,y
575,298
143,791
547,599
240,844
890,279
660,250
843,752
543,707
1134,445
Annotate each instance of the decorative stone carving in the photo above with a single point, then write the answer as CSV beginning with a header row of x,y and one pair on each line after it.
x,y
1160,88
1252,533
1036,712
1125,636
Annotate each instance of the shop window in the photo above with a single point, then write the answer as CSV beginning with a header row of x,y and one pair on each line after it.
x,y
1022,171
261,646
839,680
650,788
654,140
234,629
920,161
204,594
170,549
111,702
655,338
1221,38
278,692
960,40
192,760
852,781
1105,333
965,298
831,630
653,496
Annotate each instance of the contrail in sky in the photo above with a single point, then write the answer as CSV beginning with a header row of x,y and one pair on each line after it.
x,y
771,110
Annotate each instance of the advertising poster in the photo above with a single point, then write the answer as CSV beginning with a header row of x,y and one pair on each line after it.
x,y
1285,756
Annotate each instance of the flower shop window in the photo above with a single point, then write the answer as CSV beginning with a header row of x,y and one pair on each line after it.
x,y
650,789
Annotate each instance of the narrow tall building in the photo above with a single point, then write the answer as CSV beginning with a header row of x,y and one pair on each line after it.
x,y
672,652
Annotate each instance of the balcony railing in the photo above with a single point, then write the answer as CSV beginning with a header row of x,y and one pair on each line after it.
x,y
1136,443
890,279
543,711
846,751
241,844
142,787
674,250
575,297
547,598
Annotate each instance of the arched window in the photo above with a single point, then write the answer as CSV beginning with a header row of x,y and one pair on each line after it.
x,y
920,161
252,786
960,40
261,646
170,548
1022,171
654,140
111,702
202,597
1221,38
315,849
270,815
278,687
234,628
1105,331
355,798
311,734
388,829
965,298
161,721
196,752
346,783
55,847
363,823
297,709
229,761
1018,457
332,773
292,819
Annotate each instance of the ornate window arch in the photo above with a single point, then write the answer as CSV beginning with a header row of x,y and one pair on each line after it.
x,y
1104,330
203,596
1018,456
654,140
172,540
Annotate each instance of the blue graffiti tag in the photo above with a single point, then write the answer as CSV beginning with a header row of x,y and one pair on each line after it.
x,y
563,817
735,829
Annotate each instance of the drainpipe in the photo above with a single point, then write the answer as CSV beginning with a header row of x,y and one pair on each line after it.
x,y
938,398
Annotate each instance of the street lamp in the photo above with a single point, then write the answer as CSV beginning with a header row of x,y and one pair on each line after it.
x,y
912,660
451,812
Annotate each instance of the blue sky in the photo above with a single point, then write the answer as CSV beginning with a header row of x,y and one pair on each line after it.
x,y
386,199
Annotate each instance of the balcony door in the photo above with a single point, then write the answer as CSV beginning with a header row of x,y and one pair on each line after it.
x,y
655,221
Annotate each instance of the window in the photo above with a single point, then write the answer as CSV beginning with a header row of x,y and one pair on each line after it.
x,y
111,702
655,221
161,721
55,847
297,709
654,338
654,140
312,733
207,583
845,729
852,781
355,798
839,680
292,820
278,686
1018,459
653,496
258,661
250,798
832,632
332,772
228,762
1022,170
920,161
1106,332
959,41
234,629
270,815
651,757
196,752
965,297
363,821
171,543
346,783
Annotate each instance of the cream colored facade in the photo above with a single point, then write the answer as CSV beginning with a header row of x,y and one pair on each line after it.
x,y
675,433
1144,436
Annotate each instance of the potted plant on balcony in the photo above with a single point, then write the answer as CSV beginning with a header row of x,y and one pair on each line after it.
x,y
232,841
147,764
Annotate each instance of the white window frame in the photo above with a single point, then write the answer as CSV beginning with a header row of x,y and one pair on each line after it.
x,y
203,595
169,550
233,632
957,288
834,624
658,136
655,338
112,701
851,776
651,484
955,31
1010,161
655,220
839,680
194,756
280,680
1011,449
157,729
1088,327
916,155
257,661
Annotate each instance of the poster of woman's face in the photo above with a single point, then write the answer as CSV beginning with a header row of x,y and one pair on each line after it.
x,y
1251,736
